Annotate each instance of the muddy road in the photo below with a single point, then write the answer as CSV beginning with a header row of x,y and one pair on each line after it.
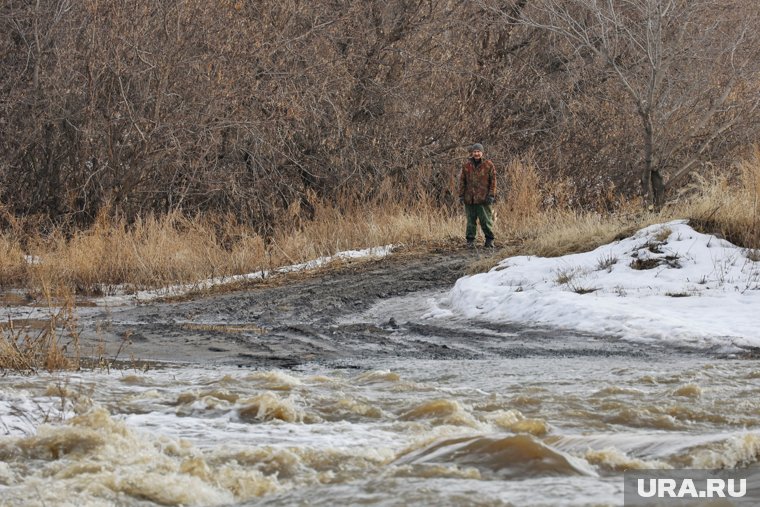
x,y
356,311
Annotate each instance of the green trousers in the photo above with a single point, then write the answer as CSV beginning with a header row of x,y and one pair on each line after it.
x,y
479,213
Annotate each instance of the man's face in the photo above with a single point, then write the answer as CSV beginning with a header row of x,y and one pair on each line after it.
x,y
477,154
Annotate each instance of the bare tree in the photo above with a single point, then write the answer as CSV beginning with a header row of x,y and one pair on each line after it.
x,y
258,109
688,69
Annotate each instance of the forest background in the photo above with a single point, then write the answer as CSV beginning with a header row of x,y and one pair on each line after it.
x,y
153,142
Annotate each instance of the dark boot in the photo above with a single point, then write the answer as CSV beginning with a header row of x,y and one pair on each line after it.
x,y
470,242
489,243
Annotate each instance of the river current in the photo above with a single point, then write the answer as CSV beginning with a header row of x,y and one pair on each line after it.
x,y
538,419
524,431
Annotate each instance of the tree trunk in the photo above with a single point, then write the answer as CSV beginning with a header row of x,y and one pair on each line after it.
x,y
652,184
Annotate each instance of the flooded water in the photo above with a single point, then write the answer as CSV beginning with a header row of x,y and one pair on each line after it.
x,y
521,431
378,406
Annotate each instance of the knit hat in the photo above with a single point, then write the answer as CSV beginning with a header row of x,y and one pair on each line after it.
x,y
476,147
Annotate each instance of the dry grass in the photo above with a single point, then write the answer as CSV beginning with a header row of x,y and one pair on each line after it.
x,y
51,344
159,251
538,217
728,202
533,217
333,230
12,261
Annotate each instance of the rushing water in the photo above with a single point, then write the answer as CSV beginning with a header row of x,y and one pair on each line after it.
x,y
542,431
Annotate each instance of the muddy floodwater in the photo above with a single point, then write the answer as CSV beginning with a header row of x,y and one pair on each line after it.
x,y
309,393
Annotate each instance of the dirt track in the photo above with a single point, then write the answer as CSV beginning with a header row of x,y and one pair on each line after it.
x,y
327,317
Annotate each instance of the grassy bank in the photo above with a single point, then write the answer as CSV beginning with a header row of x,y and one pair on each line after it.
x,y
533,217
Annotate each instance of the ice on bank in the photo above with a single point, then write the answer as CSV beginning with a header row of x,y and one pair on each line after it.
x,y
667,282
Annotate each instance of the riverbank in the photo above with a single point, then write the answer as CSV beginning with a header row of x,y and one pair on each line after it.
x,y
114,259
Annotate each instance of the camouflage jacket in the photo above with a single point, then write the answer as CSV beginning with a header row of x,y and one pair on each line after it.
x,y
477,183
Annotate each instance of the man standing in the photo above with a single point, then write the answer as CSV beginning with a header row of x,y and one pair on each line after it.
x,y
477,191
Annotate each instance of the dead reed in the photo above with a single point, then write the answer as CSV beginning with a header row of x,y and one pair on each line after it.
x,y
727,202
49,344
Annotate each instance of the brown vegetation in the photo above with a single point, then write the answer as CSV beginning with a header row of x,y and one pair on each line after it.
x,y
149,143
155,252
678,78
49,345
269,108
536,216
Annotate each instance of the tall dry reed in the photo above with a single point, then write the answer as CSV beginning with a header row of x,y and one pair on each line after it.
x,y
728,202
157,251
50,344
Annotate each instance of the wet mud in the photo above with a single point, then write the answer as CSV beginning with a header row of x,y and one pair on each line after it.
x,y
327,317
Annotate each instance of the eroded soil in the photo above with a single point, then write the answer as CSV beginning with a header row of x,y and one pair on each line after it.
x,y
360,310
